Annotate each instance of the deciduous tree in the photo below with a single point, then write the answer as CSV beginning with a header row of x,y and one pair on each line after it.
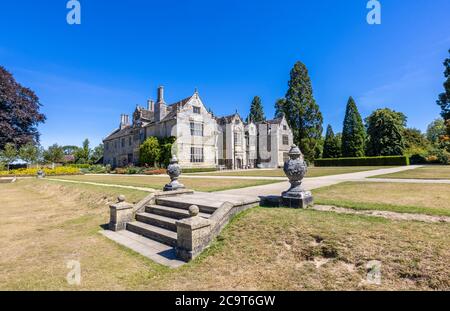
x,y
385,130
19,112
149,151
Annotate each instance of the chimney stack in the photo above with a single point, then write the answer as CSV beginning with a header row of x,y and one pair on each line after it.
x,y
161,94
151,105
124,121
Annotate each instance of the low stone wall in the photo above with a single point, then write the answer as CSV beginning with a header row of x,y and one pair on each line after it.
x,y
196,233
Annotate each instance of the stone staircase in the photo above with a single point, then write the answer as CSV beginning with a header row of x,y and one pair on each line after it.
x,y
164,227
158,221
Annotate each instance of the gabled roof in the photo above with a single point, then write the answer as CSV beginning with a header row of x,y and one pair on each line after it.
x,y
229,118
173,108
273,121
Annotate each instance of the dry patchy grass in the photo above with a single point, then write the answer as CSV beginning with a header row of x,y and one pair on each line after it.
x,y
43,224
156,182
426,172
430,199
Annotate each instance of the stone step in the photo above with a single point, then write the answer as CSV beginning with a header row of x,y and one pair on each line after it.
x,y
152,232
182,204
170,212
157,220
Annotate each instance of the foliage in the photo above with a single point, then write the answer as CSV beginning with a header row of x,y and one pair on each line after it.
x,y
444,98
69,149
62,170
97,153
94,169
302,112
54,154
256,111
385,129
166,150
199,170
436,130
332,144
364,161
19,112
149,151
279,108
29,153
353,133
9,154
415,141
83,154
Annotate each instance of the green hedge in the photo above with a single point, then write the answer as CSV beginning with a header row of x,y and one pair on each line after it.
x,y
199,170
364,161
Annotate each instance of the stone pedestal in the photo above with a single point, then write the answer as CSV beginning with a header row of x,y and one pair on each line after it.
x,y
120,214
295,169
193,235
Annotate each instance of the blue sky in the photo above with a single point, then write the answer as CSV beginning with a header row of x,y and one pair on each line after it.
x,y
87,75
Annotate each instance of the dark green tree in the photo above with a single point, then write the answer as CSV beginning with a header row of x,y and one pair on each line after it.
x,y
385,130
444,98
302,112
256,111
353,133
279,108
332,144
166,150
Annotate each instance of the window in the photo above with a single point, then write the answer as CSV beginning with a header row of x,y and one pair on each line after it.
x,y
197,155
107,146
129,141
237,139
285,127
285,140
123,142
196,129
197,110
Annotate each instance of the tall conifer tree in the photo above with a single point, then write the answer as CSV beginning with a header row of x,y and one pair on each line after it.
x,y
353,134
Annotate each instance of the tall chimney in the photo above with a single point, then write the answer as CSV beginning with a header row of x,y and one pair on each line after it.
x,y
151,105
161,94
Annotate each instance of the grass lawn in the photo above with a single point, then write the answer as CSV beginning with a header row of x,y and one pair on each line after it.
x,y
156,182
430,199
426,172
43,225
312,171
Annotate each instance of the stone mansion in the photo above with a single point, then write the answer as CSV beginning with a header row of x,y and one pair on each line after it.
x,y
202,139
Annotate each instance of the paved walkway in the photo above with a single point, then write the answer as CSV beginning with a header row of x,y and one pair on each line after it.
x,y
318,182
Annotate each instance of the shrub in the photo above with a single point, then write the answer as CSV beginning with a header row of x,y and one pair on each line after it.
x,y
95,169
199,170
63,170
364,161
158,171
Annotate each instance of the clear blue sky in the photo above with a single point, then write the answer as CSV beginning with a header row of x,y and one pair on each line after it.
x,y
87,75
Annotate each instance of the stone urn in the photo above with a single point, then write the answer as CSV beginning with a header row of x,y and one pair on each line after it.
x,y
174,172
40,174
295,169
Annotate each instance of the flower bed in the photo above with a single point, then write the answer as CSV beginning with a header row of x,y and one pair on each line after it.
x,y
63,170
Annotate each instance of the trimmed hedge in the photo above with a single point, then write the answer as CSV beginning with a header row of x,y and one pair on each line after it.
x,y
364,161
199,170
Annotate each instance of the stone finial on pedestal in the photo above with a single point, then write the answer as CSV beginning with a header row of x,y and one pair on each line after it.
x,y
120,213
295,169
174,171
40,174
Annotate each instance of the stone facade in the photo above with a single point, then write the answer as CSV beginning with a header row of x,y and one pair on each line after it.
x,y
202,140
